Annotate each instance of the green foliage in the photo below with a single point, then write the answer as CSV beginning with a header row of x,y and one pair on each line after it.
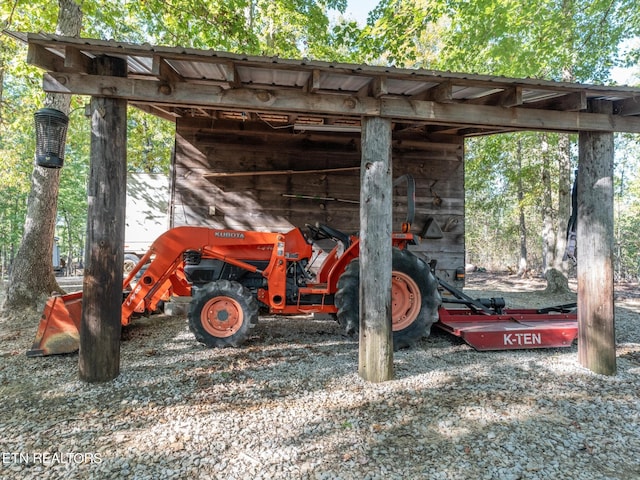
x,y
24,16
627,207
287,28
294,28
215,24
404,33
572,39
492,205
149,144
17,143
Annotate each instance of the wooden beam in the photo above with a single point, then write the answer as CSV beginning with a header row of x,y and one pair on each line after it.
x,y
518,117
165,72
572,102
277,172
365,90
376,341
75,60
157,110
596,332
628,106
230,73
100,324
41,57
211,95
509,97
379,87
313,84
397,109
443,92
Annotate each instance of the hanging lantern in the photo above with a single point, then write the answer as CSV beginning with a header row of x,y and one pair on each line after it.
x,y
51,134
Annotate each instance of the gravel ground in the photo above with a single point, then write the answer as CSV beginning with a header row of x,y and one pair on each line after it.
x,y
290,405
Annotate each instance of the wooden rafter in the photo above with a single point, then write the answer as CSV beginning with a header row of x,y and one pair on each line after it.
x,y
277,172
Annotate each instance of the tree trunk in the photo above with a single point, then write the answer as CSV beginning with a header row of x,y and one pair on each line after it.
x,y
564,202
1,85
69,261
557,281
548,238
555,224
32,279
522,264
557,274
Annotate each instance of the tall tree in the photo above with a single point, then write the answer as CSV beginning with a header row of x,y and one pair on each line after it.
x,y
547,208
522,224
556,269
31,278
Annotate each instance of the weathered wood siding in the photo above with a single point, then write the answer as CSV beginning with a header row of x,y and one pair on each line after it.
x,y
263,202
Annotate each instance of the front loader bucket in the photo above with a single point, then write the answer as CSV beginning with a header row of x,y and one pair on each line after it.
x,y
59,329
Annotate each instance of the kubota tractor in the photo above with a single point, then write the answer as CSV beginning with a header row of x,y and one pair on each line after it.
x,y
232,275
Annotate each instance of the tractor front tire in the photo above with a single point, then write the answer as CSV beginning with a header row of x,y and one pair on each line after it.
x,y
222,313
414,299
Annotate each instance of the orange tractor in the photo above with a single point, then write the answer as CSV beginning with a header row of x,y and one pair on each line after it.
x,y
232,275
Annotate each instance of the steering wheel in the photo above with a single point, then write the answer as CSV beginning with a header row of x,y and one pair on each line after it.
x,y
322,231
317,232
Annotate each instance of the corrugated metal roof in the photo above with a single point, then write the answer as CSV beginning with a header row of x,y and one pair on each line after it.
x,y
366,84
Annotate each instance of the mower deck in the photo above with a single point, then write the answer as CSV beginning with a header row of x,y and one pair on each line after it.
x,y
485,324
510,330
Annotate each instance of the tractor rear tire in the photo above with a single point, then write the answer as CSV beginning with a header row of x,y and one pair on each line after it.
x,y
414,304
222,313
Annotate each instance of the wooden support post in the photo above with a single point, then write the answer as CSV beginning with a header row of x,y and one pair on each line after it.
x,y
596,337
376,341
99,358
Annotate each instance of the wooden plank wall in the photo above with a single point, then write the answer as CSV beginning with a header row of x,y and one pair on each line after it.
x,y
264,201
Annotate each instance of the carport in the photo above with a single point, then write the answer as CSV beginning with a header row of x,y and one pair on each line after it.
x,y
374,114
